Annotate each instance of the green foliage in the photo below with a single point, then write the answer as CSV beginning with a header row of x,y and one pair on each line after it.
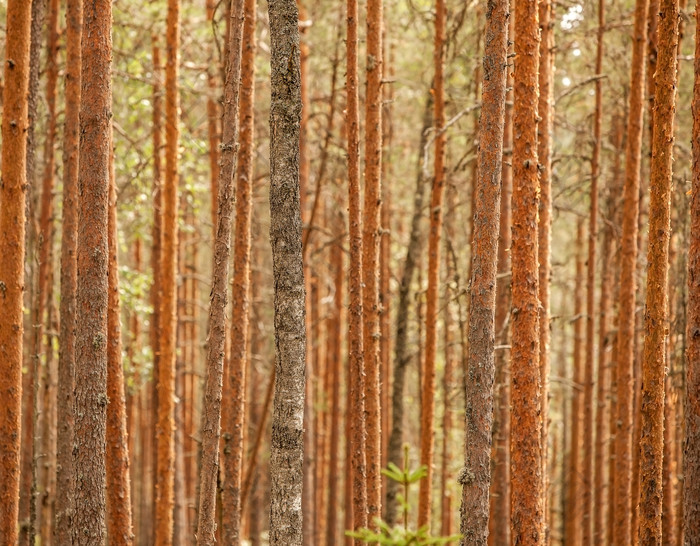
x,y
401,535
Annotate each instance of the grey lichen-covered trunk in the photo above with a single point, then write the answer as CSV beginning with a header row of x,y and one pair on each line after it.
x,y
285,237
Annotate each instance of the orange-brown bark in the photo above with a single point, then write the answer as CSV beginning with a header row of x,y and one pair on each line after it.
x,y
92,292
156,285
213,117
12,232
356,379
527,507
481,330
588,376
41,412
165,467
655,315
691,440
119,528
598,496
545,124
371,227
628,261
572,516
499,514
235,387
69,274
335,334
433,294
242,31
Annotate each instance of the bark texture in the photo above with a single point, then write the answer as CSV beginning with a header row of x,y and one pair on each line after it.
x,y
628,261
371,232
691,442
433,292
527,507
12,234
119,527
499,515
90,406
287,449
545,124
156,251
165,429
69,275
211,414
601,436
356,380
476,478
656,308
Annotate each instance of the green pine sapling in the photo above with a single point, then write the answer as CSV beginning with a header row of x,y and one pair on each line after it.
x,y
401,535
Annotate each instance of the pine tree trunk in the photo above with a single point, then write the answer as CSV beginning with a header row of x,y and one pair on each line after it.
x,y
156,286
287,449
691,441
335,334
499,515
655,316
119,528
69,273
402,358
598,489
572,515
12,235
356,379
527,508
211,415
92,290
545,124
433,293
625,337
31,274
476,475
165,466
371,228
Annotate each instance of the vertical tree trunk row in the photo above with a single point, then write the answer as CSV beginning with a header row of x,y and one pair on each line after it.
x,y
527,507
286,457
655,316
481,333
12,235
91,400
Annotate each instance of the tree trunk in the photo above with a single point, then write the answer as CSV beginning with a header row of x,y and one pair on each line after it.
x,y
92,291
476,475
242,32
545,124
527,509
69,273
335,333
625,336
499,515
371,228
165,466
287,450
211,414
655,316
401,353
356,379
12,233
572,515
691,451
433,293
29,379
119,527
156,286
598,487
